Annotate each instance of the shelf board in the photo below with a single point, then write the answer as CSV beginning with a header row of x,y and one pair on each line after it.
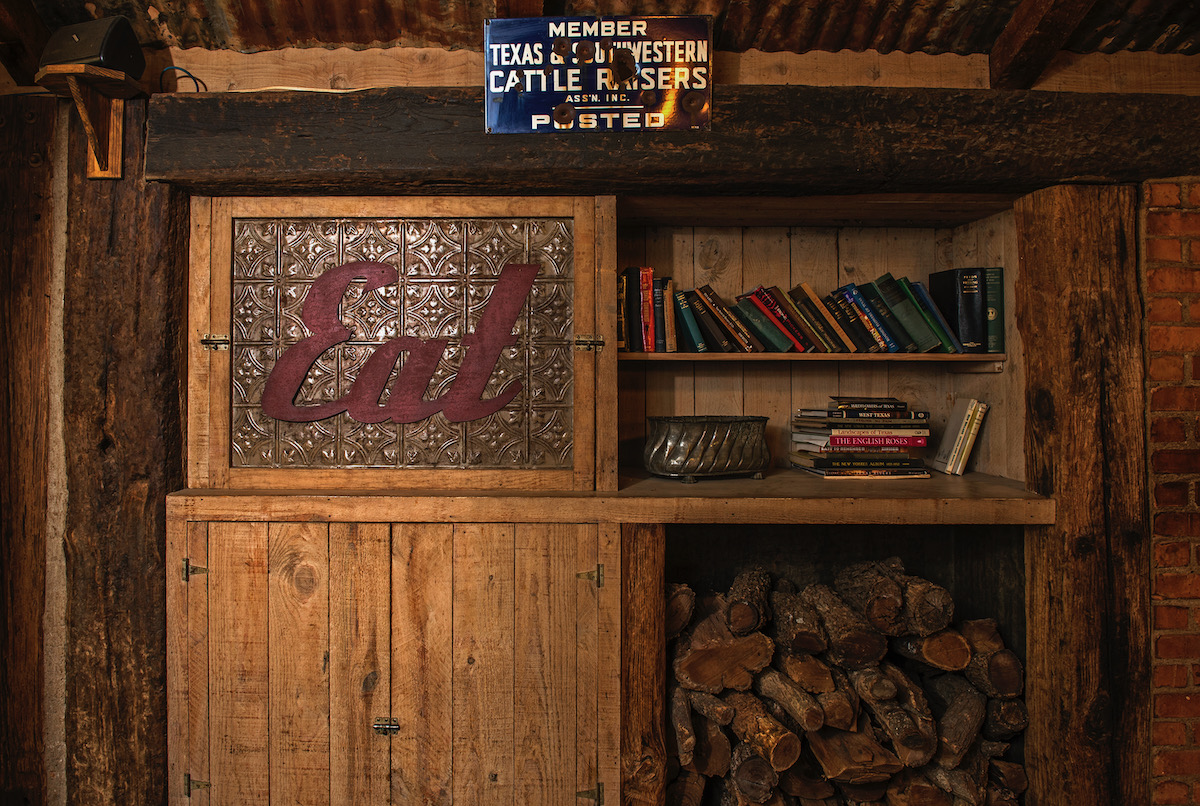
x,y
918,358
784,496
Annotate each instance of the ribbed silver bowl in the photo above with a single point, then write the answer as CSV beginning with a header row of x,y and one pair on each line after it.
x,y
692,447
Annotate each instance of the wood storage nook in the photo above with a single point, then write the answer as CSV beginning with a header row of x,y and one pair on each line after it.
x,y
443,634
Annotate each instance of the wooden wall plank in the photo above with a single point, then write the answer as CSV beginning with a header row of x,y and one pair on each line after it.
x,y
126,257
766,260
860,252
298,650
587,282
643,665
239,690
586,648
1087,576
27,127
717,261
195,716
610,707
483,664
199,325
360,652
545,646
607,415
422,663
814,260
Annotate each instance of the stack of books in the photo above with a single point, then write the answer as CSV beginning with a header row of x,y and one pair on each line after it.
x,y
861,437
888,315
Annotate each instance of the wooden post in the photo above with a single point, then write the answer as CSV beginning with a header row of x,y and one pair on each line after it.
x,y
644,665
1087,576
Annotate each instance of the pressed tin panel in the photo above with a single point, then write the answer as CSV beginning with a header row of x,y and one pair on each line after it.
x,y
449,268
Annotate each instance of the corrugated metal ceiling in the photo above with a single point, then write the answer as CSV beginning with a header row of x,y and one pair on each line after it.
x,y
909,26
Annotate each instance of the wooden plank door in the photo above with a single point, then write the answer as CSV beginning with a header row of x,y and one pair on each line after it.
x,y
495,660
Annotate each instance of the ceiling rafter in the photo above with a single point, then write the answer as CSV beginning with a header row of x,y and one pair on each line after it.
x,y
23,36
1034,35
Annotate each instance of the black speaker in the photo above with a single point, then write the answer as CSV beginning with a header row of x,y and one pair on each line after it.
x,y
109,42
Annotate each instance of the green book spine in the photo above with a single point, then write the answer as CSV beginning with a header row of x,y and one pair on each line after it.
x,y
754,319
993,281
903,309
691,330
947,346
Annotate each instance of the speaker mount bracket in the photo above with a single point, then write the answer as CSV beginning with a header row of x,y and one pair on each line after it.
x,y
99,94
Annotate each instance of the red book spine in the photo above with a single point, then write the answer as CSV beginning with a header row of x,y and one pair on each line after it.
x,y
771,307
886,442
647,286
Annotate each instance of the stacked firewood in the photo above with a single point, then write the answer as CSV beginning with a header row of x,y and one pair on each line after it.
x,y
863,691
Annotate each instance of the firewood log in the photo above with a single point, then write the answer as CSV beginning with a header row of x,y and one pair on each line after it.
x,y
795,700
996,796
748,607
853,643
712,707
840,706
960,709
870,590
681,724
752,774
711,754
687,789
753,725
927,607
1005,719
873,683
994,669
863,793
912,788
945,649
957,783
681,603
905,719
1008,775
795,625
852,757
710,658
805,780
810,672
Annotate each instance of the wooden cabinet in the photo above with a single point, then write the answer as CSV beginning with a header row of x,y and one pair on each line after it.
x,y
395,662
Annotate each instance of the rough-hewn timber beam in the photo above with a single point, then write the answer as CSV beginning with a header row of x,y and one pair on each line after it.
x,y
23,36
770,140
1033,37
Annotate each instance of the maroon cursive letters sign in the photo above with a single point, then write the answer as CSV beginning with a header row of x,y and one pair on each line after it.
x,y
462,402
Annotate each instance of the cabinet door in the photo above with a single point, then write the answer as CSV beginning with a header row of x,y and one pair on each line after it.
x,y
485,653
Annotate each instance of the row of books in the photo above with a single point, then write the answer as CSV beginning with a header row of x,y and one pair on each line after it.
x,y
958,439
861,438
961,311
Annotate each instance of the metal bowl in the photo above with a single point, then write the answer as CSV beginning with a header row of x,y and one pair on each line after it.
x,y
689,448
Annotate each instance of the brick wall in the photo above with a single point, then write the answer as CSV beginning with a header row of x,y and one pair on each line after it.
x,y
1172,264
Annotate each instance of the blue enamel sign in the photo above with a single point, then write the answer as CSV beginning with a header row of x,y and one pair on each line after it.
x,y
598,74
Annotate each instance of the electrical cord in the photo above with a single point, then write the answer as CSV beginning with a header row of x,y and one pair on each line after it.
x,y
197,81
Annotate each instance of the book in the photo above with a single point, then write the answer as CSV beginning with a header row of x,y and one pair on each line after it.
x,y
904,308
804,291
958,424
739,336
871,322
867,473
867,402
639,308
993,296
964,453
622,343
929,306
775,312
787,307
774,339
715,335
658,286
846,317
693,339
854,441
959,294
816,323
865,415
887,319
835,460
940,332
671,340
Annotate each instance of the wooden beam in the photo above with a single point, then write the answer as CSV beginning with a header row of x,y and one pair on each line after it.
x,y
1088,575
765,140
1033,37
23,37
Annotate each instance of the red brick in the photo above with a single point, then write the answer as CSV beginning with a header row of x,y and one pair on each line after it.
x,y
1176,762
1189,224
1170,617
1175,398
1194,196
1172,555
1177,647
1174,338
1167,460
1160,223
1171,793
1165,734
1165,309
1164,250
1164,279
1171,494
1166,368
1163,194
1171,676
1177,524
1167,429
1196,367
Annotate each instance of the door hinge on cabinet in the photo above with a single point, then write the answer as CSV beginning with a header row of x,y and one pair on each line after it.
x,y
589,341
189,570
596,794
215,341
386,726
597,575
190,784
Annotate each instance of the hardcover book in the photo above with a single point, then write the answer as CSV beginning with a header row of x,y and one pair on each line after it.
x,y
905,309
804,291
693,339
993,281
887,318
850,323
959,293
774,339
715,335
932,318
929,306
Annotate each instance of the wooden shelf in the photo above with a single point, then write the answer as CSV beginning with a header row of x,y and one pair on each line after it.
x,y
784,496
912,358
